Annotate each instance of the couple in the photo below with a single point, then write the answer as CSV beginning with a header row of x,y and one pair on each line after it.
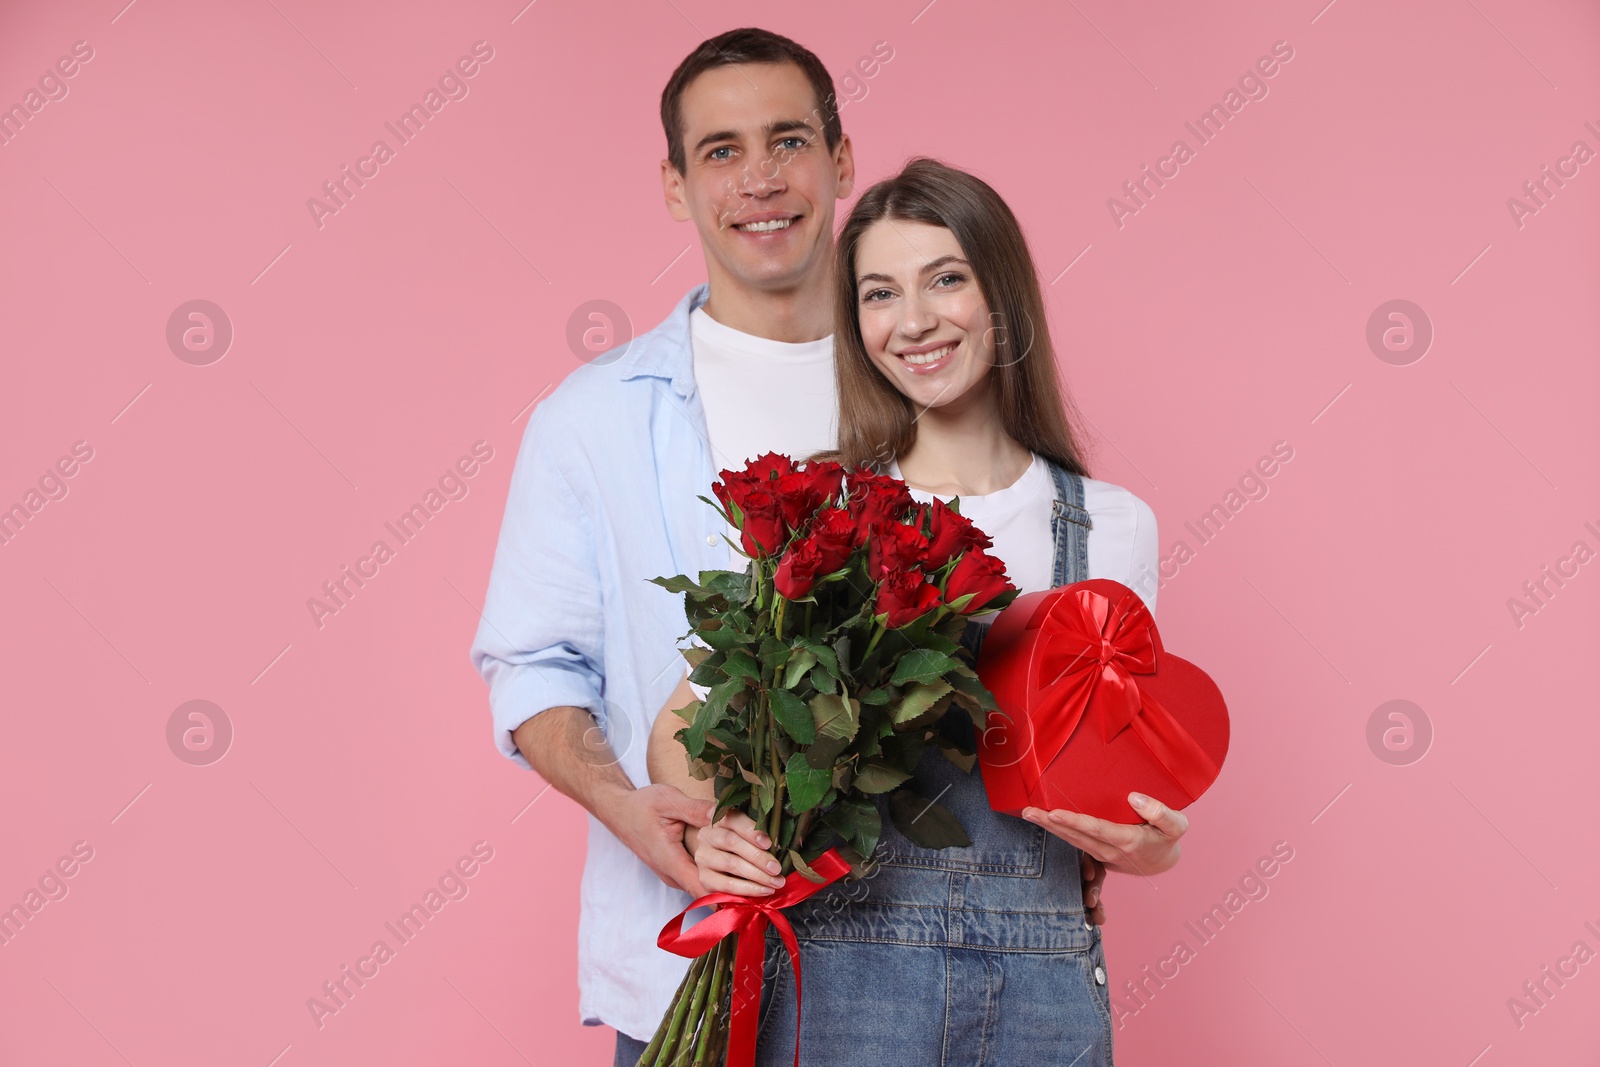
x,y
919,347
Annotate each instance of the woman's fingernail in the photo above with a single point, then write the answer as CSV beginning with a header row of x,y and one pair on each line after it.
x,y
1138,800
774,867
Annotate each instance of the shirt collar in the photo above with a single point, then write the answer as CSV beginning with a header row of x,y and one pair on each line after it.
x,y
664,352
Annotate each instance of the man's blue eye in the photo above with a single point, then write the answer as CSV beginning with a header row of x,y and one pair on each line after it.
x,y
713,153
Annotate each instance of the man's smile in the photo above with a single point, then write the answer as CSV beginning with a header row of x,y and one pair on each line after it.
x,y
766,222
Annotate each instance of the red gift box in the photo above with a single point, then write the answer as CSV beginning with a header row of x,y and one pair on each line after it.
x,y
1093,708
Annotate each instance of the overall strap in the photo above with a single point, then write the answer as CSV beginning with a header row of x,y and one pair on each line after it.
x,y
1069,529
1069,526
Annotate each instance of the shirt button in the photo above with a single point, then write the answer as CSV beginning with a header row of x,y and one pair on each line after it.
x,y
711,539
1099,976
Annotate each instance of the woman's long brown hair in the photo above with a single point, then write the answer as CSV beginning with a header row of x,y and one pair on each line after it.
x,y
877,423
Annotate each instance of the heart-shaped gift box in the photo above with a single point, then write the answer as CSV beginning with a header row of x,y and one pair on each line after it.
x,y
1091,707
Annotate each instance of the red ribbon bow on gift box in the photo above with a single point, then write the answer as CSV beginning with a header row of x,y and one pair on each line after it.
x,y
748,917
1094,647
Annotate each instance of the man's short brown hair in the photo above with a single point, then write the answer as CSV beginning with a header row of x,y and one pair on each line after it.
x,y
747,45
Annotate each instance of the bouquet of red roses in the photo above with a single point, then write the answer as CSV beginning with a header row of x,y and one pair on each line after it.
x,y
828,661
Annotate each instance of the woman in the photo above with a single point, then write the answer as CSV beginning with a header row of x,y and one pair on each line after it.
x,y
947,379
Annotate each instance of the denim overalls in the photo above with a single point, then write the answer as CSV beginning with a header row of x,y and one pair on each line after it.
x,y
967,957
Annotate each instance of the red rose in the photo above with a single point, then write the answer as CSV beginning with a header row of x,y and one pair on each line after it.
x,y
834,532
801,493
732,487
893,547
905,596
980,574
829,477
950,535
875,498
769,466
763,531
798,569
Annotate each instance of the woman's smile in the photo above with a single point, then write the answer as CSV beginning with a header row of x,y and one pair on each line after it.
x,y
926,359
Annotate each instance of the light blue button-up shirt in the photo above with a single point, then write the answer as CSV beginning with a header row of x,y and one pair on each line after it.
x,y
603,498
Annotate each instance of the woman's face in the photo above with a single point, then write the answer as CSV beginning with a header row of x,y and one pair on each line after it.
x,y
924,321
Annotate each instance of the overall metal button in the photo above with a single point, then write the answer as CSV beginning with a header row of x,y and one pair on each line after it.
x,y
1099,976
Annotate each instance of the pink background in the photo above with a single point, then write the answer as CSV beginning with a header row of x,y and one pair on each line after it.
x,y
428,314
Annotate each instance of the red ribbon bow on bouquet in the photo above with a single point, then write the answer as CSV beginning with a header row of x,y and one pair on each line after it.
x,y
1094,647
748,917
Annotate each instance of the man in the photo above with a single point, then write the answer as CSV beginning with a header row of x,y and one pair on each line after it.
x,y
604,494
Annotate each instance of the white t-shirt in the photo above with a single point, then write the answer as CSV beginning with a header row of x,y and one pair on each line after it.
x,y
1122,534
761,396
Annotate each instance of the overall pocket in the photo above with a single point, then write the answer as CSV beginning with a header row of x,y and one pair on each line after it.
x,y
1001,844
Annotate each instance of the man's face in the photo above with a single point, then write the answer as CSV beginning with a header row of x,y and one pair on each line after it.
x,y
759,181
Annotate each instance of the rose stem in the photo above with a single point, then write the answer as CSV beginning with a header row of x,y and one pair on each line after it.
x,y
704,1046
798,829
874,642
696,1016
777,773
667,1037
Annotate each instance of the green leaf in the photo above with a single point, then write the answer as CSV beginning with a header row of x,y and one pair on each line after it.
x,y
739,746
719,635
873,743
697,655
793,715
709,670
939,643
716,701
762,796
825,655
856,819
822,681
825,751
961,601
966,681
921,665
732,585
773,652
707,715
742,664
879,778
834,717
682,583
806,783
876,696
925,822
918,699
736,795
717,504
841,651
800,661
